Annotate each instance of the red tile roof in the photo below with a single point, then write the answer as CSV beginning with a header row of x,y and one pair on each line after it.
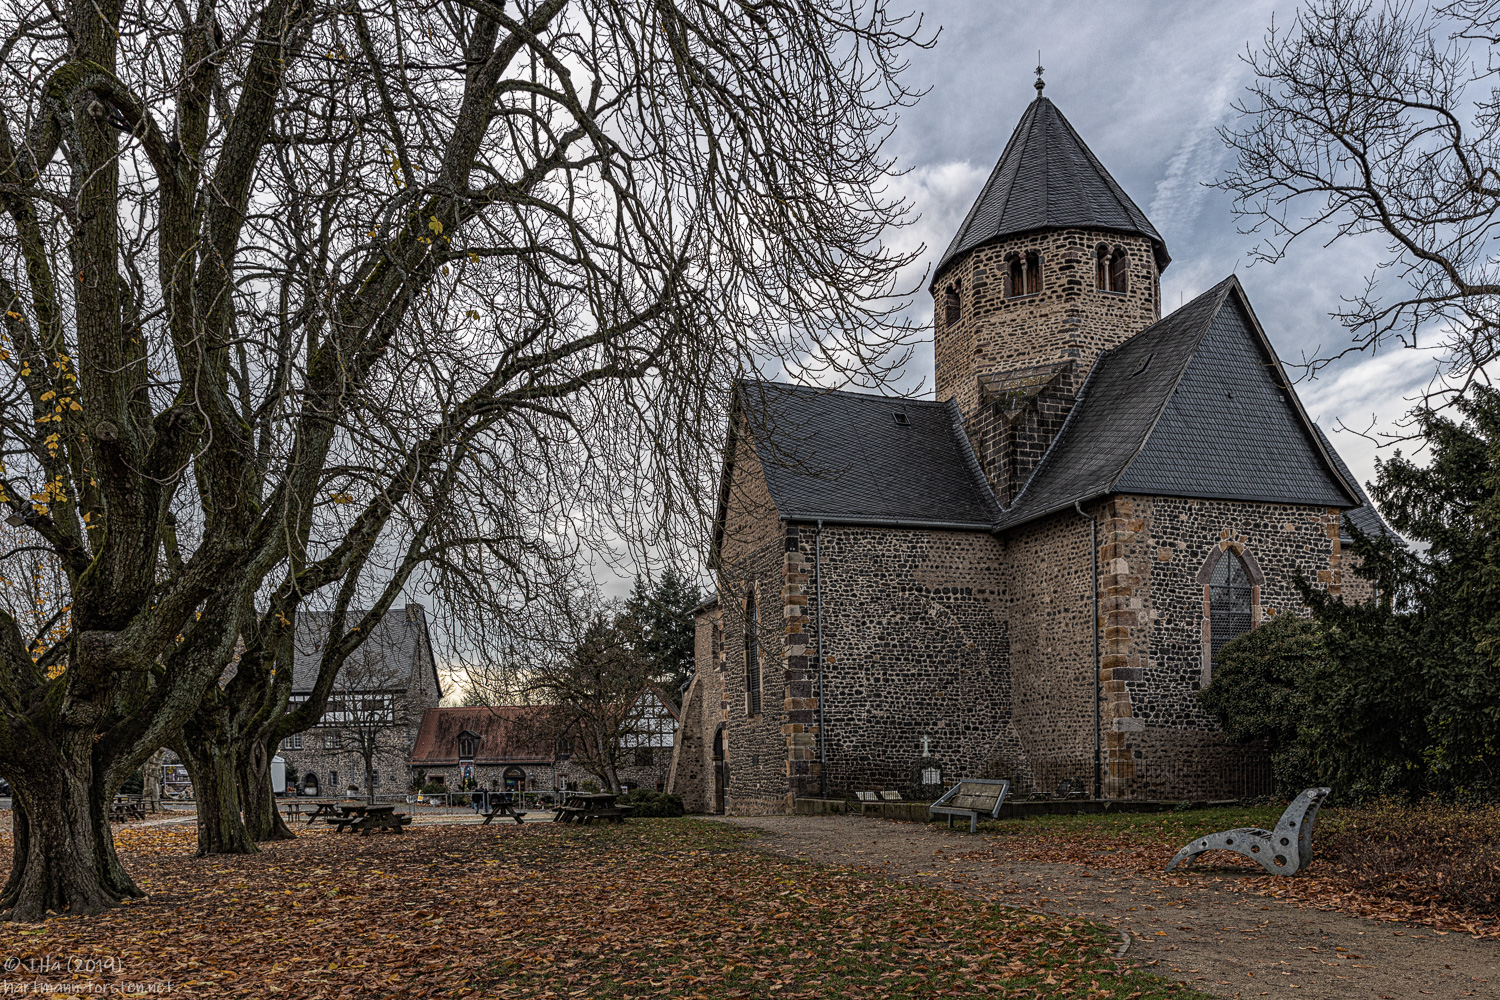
x,y
507,734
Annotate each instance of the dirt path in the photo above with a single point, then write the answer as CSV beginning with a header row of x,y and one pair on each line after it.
x,y
1226,944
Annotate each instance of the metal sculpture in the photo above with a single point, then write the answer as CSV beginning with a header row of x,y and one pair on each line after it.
x,y
1282,851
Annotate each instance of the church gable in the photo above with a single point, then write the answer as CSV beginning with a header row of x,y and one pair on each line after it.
x,y
1233,430
1193,406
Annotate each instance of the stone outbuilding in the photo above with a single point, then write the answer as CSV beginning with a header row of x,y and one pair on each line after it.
x,y
377,704
1030,575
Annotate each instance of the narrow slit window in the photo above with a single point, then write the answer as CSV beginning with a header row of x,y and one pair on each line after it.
x,y
1033,273
752,656
1015,277
1101,268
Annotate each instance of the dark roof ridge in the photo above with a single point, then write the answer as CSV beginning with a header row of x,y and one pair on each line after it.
x,y
966,448
1218,291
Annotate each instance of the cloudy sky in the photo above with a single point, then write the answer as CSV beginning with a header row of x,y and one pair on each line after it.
x,y
1145,85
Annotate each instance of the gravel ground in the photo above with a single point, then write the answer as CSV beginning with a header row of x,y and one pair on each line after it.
x,y
1226,944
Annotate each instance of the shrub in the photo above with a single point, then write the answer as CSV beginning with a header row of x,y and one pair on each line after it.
x,y
649,804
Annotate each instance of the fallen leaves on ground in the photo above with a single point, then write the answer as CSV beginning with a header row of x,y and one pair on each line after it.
x,y
1431,865
673,908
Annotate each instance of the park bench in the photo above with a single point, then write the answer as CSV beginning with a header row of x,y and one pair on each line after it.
x,y
971,797
1282,851
367,818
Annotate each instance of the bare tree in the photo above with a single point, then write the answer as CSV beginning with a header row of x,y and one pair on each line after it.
x,y
590,686
308,302
1381,121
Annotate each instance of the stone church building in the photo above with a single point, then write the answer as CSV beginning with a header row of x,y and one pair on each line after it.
x,y
1028,576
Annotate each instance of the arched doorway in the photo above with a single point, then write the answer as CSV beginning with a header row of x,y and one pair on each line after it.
x,y
515,779
721,771
310,784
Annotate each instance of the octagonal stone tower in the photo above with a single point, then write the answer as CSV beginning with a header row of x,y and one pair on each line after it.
x,y
1053,265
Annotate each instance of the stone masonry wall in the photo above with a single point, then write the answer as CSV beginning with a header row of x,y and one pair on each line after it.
x,y
1013,426
916,644
1156,555
1048,569
1068,320
752,558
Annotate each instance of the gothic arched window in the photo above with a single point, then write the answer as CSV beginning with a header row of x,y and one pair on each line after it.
x,y
953,309
1033,272
752,656
1229,593
1015,276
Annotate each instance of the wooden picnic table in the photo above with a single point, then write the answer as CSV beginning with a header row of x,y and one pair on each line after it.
x,y
324,809
367,818
585,809
505,805
126,807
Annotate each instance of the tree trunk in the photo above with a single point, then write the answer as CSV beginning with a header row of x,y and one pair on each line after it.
x,y
64,854
262,819
209,753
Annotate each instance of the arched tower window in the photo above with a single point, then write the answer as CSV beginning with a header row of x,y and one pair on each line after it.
x,y
1119,271
752,656
1229,593
1111,269
1023,275
953,308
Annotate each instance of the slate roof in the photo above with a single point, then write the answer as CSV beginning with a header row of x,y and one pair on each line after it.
x,y
1195,405
1048,179
843,457
384,662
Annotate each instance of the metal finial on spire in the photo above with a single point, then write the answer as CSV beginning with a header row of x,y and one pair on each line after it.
x,y
1039,82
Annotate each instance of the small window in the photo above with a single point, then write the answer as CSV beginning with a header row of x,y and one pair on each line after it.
x,y
902,420
333,781
752,656
953,307
330,741
468,746
645,757
1119,271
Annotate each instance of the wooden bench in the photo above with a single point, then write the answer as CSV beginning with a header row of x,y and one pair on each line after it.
x,y
971,797
382,818
126,808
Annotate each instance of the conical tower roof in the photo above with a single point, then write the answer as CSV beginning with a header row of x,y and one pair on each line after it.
x,y
1048,179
